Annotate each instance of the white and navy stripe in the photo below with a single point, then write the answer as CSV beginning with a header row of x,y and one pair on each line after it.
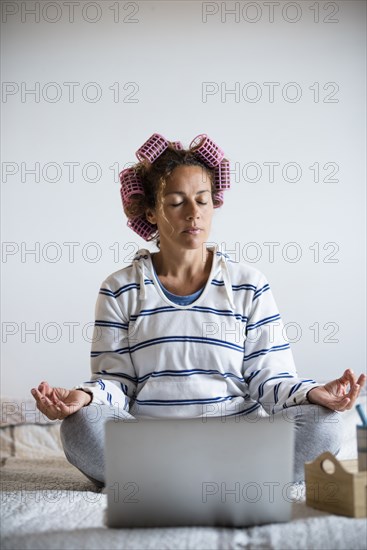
x,y
157,358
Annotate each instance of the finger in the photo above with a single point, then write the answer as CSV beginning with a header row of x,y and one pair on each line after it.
x,y
344,376
353,395
348,377
41,402
44,388
47,401
354,391
361,380
36,394
59,415
336,403
53,396
48,408
352,377
41,386
65,410
52,412
341,405
346,383
342,384
56,401
48,389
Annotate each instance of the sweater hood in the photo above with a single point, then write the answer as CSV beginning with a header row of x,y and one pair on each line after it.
x,y
142,263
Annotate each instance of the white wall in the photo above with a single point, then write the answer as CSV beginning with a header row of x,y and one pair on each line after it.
x,y
160,58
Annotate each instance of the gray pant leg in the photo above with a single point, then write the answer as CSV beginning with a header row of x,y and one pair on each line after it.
x,y
318,429
82,436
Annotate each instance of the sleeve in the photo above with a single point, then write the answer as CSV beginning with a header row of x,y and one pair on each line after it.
x,y
113,380
269,368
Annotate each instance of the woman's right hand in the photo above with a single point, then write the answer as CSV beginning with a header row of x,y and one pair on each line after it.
x,y
58,403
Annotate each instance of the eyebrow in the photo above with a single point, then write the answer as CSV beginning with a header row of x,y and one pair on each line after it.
x,y
182,193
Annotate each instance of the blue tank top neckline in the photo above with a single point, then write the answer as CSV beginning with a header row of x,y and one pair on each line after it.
x,y
180,300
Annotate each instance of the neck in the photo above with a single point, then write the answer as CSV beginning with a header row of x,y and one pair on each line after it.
x,y
186,266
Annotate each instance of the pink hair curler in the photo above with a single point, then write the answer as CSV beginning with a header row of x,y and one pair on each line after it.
x,y
222,175
131,184
219,196
177,145
142,227
202,147
152,148
206,150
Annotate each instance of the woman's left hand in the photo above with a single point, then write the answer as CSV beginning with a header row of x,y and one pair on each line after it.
x,y
340,394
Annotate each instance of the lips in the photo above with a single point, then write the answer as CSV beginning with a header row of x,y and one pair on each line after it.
x,y
193,230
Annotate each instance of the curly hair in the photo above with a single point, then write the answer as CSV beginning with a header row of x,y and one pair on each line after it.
x,y
154,177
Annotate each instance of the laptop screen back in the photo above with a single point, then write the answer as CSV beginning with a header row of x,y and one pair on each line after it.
x,y
215,471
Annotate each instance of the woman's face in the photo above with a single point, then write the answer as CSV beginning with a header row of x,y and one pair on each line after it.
x,y
187,203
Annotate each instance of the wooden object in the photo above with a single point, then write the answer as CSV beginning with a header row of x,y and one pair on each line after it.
x,y
336,487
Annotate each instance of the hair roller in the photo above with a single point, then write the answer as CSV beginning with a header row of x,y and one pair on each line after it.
x,y
131,184
152,148
222,175
177,145
206,150
142,227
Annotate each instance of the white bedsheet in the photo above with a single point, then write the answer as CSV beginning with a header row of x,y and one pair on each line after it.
x,y
47,503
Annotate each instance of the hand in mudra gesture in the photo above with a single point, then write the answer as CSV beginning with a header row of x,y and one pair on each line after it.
x,y
340,394
58,403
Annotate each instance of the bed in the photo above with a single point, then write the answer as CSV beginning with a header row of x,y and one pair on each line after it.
x,y
47,503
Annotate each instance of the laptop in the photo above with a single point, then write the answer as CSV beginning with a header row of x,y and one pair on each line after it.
x,y
217,471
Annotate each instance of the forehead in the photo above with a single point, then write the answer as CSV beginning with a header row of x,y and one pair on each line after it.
x,y
188,177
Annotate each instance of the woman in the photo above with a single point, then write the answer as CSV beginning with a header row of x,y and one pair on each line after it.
x,y
186,332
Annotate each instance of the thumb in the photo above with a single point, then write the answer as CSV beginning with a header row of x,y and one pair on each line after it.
x,y
44,388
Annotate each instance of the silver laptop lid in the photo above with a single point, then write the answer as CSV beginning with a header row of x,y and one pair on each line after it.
x,y
225,471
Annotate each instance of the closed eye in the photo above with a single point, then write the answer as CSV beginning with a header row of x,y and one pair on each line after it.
x,y
179,204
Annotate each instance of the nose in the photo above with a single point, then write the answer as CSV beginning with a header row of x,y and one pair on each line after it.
x,y
193,211
194,215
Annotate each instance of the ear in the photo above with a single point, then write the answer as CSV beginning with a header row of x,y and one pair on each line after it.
x,y
150,216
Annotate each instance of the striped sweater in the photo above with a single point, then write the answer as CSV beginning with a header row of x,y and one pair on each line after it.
x,y
223,354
